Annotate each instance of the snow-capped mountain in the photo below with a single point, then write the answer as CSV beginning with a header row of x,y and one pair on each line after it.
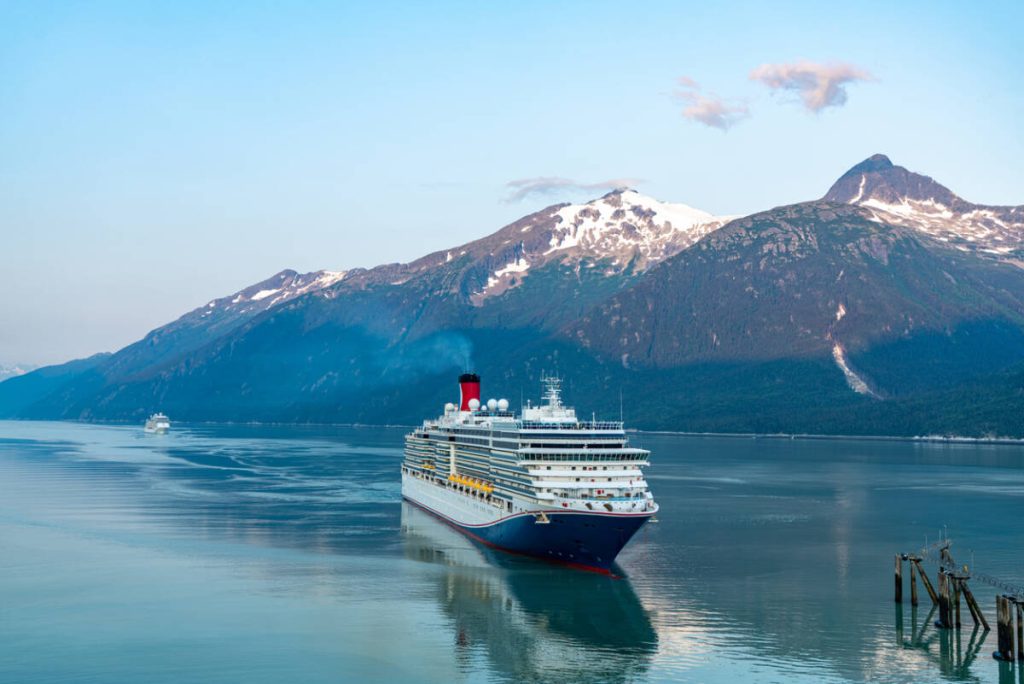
x,y
625,226
835,315
619,232
623,229
897,196
214,319
276,289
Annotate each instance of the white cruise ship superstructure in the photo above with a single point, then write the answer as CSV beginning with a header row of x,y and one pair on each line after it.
x,y
157,424
543,483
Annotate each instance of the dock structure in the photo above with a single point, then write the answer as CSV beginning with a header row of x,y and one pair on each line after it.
x,y
953,589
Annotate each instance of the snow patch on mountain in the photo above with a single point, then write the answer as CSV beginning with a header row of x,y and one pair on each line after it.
x,y
517,266
279,288
263,294
895,196
623,230
504,277
860,189
855,382
980,230
625,225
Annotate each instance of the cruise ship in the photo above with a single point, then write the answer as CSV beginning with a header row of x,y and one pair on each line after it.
x,y
543,483
157,424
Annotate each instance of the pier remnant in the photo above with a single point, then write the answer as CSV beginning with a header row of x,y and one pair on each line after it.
x,y
1004,629
899,578
916,561
913,583
972,604
1020,629
944,621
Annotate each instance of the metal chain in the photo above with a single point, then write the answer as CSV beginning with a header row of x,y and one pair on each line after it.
x,y
934,551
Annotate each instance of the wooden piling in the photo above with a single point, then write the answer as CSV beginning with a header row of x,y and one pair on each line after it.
x,y
970,605
944,619
913,584
1020,629
1008,620
899,578
1004,633
927,582
976,613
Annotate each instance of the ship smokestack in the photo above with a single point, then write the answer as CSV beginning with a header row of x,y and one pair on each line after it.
x,y
469,388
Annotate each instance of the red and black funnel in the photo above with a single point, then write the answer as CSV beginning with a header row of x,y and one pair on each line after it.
x,y
469,388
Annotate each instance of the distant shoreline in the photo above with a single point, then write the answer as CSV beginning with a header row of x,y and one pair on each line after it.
x,y
932,439
938,439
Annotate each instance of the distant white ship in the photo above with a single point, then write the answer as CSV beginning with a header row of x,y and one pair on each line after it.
x,y
158,424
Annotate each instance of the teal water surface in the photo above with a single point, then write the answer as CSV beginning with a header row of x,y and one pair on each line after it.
x,y
285,554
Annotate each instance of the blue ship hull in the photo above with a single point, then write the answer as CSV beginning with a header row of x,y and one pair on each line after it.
x,y
589,540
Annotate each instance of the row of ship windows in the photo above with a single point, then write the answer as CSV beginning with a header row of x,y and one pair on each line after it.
x,y
585,457
446,435
501,444
501,434
563,445
583,468
507,444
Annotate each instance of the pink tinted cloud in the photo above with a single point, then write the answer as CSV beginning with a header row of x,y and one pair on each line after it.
x,y
818,85
708,108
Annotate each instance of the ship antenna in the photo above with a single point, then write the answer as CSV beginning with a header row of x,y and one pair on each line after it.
x,y
621,420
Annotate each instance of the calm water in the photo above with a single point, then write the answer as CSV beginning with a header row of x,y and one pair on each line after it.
x,y
270,554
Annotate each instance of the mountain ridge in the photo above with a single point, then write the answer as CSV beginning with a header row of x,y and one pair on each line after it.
x,y
896,195
820,313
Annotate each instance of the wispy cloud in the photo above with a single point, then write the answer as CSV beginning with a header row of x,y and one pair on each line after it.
x,y
707,108
522,188
818,85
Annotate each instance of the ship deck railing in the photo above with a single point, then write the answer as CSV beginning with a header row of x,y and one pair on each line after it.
x,y
597,497
582,425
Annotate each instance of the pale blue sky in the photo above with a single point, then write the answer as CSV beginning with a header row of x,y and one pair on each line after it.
x,y
156,155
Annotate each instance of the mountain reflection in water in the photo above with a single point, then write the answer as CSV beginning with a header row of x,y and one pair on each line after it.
x,y
283,553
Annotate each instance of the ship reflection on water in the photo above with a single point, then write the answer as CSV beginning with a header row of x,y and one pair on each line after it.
x,y
532,620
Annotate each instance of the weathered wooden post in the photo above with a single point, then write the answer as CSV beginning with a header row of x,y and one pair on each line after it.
x,y
899,578
943,621
970,605
913,583
979,617
927,582
1020,631
1004,633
